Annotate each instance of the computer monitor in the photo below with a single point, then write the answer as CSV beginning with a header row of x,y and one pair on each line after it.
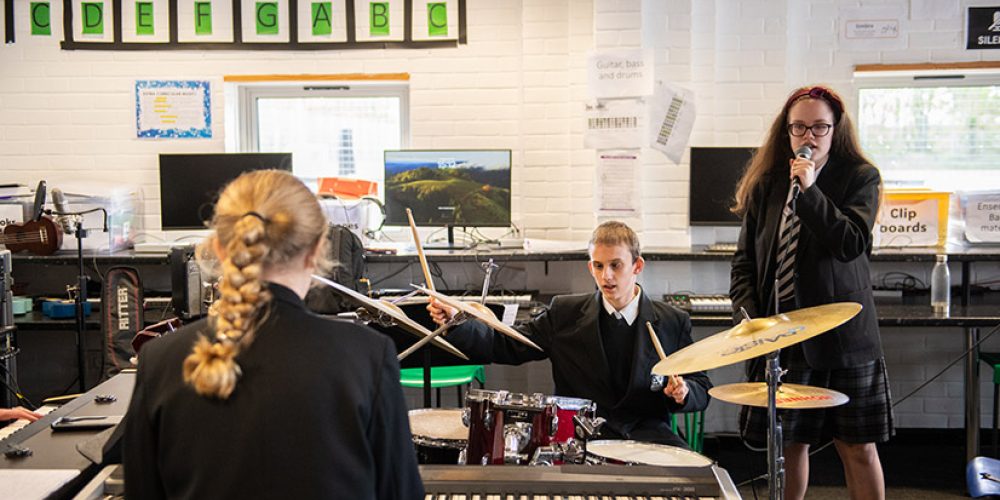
x,y
190,183
715,172
450,188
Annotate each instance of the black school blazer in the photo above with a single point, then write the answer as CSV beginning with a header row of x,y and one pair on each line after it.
x,y
832,264
570,337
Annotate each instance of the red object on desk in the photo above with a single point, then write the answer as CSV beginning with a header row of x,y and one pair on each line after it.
x,y
347,188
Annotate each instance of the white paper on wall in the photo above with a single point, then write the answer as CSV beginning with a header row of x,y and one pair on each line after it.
x,y
614,124
873,28
315,21
620,73
264,24
204,23
93,21
159,17
671,119
617,183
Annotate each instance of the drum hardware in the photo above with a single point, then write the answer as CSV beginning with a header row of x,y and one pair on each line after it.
x,y
515,437
587,428
570,452
755,337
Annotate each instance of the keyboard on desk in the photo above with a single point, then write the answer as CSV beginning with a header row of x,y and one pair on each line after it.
x,y
700,304
502,482
12,428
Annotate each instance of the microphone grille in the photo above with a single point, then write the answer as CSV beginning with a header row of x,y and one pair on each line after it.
x,y
804,152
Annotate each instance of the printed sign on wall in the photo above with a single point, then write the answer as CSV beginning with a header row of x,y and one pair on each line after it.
x,y
322,21
237,24
435,20
146,21
93,21
983,28
173,109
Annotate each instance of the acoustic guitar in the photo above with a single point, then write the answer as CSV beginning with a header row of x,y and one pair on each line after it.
x,y
40,237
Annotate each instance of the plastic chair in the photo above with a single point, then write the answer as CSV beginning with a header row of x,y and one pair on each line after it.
x,y
444,376
694,429
993,359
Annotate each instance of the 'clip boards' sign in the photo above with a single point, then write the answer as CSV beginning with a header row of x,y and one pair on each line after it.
x,y
912,219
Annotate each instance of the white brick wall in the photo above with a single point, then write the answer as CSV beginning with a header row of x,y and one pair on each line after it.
x,y
66,116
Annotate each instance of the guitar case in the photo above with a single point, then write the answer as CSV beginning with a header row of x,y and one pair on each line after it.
x,y
121,317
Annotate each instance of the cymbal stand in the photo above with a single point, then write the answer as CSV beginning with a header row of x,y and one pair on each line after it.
x,y
775,444
775,438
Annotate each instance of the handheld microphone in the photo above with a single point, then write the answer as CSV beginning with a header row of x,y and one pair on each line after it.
x,y
804,152
59,201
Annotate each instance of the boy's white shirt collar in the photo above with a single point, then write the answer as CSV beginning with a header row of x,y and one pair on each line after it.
x,y
629,312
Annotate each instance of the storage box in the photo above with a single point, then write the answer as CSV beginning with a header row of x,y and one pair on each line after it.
x,y
912,218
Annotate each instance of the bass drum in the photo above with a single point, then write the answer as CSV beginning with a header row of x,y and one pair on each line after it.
x,y
640,453
439,435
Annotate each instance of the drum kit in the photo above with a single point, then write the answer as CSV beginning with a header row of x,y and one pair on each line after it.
x,y
500,427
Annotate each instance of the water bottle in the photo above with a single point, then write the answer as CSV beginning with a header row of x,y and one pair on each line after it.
x,y
941,286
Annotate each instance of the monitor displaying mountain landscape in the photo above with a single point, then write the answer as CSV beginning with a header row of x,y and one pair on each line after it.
x,y
448,187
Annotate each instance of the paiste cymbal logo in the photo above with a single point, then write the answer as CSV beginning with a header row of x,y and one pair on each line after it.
x,y
762,340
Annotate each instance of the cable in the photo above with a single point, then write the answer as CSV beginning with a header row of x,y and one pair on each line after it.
x,y
391,275
16,389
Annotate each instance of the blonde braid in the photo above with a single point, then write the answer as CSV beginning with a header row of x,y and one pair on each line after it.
x,y
211,367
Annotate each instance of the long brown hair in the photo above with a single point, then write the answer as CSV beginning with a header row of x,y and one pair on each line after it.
x,y
263,219
773,155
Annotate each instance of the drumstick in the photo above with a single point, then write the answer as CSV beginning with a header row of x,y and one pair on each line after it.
x,y
659,349
420,250
656,341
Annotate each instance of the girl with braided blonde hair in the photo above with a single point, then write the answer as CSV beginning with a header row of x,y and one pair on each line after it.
x,y
265,399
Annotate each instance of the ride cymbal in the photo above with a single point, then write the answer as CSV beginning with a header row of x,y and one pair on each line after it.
x,y
757,337
788,397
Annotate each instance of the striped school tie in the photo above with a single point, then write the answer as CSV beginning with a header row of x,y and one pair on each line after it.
x,y
788,242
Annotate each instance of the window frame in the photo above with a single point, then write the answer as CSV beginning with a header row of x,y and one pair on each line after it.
x,y
247,95
915,77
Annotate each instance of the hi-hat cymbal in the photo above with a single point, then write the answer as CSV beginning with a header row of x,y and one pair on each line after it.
x,y
788,397
393,311
757,337
480,312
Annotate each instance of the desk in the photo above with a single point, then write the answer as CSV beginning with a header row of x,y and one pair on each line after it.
x,y
58,451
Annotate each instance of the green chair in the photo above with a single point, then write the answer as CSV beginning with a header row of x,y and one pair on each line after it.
x,y
694,429
993,359
444,376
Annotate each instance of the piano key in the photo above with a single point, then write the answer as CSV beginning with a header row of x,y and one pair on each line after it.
x,y
21,423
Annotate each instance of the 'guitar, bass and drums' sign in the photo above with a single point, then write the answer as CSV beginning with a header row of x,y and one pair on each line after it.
x,y
238,24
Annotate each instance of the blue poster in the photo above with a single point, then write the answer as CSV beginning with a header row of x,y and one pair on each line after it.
x,y
178,109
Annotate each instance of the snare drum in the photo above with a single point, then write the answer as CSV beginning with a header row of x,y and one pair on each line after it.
x,y
439,435
640,453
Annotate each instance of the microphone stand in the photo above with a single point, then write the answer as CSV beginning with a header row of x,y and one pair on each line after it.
x,y
81,292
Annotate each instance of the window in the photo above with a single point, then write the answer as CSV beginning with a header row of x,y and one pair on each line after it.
x,y
331,128
940,131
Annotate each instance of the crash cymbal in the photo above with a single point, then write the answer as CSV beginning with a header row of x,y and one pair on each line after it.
x,y
756,337
788,397
482,313
401,320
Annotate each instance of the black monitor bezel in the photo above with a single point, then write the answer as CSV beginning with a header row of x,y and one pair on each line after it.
x,y
695,217
284,162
